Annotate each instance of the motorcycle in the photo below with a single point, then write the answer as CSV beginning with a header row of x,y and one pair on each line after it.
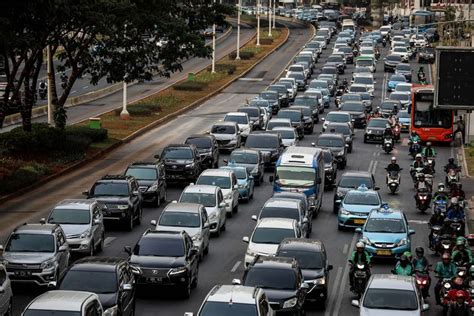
x,y
452,177
384,42
422,199
415,148
422,78
435,238
445,245
396,132
393,181
440,206
423,282
415,174
388,144
360,279
429,181
43,92
454,227
430,162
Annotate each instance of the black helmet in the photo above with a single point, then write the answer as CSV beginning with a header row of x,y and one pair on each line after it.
x,y
420,251
404,259
451,160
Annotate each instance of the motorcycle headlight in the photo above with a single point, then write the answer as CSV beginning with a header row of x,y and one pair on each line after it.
x,y
360,266
320,281
290,303
86,234
48,264
113,311
122,207
402,242
179,270
154,187
191,165
344,211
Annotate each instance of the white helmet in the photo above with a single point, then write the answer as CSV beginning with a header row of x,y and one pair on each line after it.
x,y
360,244
394,158
418,156
454,200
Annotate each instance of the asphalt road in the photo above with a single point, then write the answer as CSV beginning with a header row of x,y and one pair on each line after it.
x,y
226,255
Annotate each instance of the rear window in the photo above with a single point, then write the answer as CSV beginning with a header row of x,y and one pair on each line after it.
x,y
224,308
279,212
262,141
159,247
355,182
223,129
239,119
203,142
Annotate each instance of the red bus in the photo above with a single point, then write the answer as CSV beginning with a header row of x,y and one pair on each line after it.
x,y
434,125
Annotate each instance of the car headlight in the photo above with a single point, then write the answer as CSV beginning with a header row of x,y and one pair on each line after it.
x,y
369,131
86,234
228,196
179,270
242,186
290,303
344,211
341,153
191,165
113,311
48,264
154,187
254,171
320,281
122,207
233,141
196,237
250,253
402,242
212,216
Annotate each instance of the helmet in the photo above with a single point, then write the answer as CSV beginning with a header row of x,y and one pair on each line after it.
x,y
460,241
454,200
446,256
360,244
441,186
471,270
403,258
413,133
407,254
428,144
460,294
418,156
419,251
394,158
451,160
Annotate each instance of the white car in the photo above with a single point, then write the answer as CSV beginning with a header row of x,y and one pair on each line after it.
x,y
267,235
403,87
367,80
227,135
337,117
385,30
243,121
289,136
278,122
367,52
6,294
402,52
212,198
298,68
419,40
227,182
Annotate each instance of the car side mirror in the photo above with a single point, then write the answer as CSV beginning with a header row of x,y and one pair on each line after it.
x,y
85,193
376,188
127,287
355,303
411,232
358,230
52,285
425,307
254,217
236,186
226,161
194,251
206,226
330,267
153,222
128,250
236,282
63,248
305,220
245,239
222,204
96,221
323,119
304,286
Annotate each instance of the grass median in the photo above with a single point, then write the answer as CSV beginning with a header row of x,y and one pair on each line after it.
x,y
469,156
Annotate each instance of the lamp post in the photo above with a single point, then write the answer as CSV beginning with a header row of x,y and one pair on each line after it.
x,y
124,115
213,66
237,55
269,18
274,12
258,22
50,77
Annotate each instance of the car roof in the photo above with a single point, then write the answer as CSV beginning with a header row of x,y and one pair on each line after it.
x,y
60,300
182,207
304,244
280,119
382,213
281,202
104,264
237,113
36,228
391,281
271,222
283,128
143,164
225,123
331,135
179,145
356,173
237,294
339,113
200,136
201,188
275,262
76,204
245,150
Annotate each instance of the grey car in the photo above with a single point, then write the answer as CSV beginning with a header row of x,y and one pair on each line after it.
x,y
337,144
250,159
344,129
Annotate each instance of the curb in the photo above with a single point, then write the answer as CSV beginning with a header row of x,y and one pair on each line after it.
x,y
462,156
141,131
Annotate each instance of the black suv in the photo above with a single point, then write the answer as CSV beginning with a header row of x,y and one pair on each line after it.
x,y
313,261
207,147
338,146
151,180
166,258
112,279
122,199
351,180
270,145
297,120
182,162
282,281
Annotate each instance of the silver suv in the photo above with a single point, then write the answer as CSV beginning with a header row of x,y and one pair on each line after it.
x,y
36,253
6,295
82,222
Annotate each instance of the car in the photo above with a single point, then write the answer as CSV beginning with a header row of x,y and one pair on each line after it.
x,y
282,93
291,86
270,145
347,97
300,78
277,207
245,181
361,70
317,84
297,120
267,235
322,95
65,303
233,300
402,51
357,111
307,117
390,107
298,68
426,55
208,149
404,87
273,97
227,135
243,121
250,159
310,211
367,52
394,80
355,207
256,116
375,129
332,70
391,62
338,61
432,35
189,217
289,136
348,54
344,129
6,294
367,80
312,258
263,105
337,117
418,40
403,97
358,88
227,182
278,122
405,70
122,198
338,146
386,233
151,180
182,162
351,180
404,118
82,223
282,281
366,61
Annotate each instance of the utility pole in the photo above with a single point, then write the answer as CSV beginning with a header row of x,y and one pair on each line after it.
x,y
213,66
124,115
270,18
274,12
50,78
258,22
237,55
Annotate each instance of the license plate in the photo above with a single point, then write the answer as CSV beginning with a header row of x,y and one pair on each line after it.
x,y
432,138
22,273
359,221
384,252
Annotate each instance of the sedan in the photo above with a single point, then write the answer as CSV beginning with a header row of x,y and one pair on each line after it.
x,y
250,159
391,62
394,80
405,120
355,207
405,70
337,144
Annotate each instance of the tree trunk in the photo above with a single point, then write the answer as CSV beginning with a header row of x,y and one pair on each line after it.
x,y
376,13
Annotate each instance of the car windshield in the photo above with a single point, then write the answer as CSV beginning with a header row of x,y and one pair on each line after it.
x,y
391,299
222,182
244,158
262,141
269,95
330,142
315,84
400,49
252,112
110,189
334,59
329,70
400,96
354,107
287,133
41,312
20,242
200,142
355,182
102,282
259,103
394,58
68,216
177,153
294,116
296,75
271,235
240,173
208,200
387,106
327,157
305,109
350,97
364,62
336,117
223,129
397,78
353,89
239,119
271,278
346,50
377,123
403,88
339,129
384,225
367,51
159,247
180,219
224,308
295,176
142,173
306,259
404,67
279,212
361,198
403,114
364,80
362,70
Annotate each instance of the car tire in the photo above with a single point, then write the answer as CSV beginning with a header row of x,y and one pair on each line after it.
x,y
165,195
235,209
365,140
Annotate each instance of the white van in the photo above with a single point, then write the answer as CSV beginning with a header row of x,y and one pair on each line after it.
x,y
348,25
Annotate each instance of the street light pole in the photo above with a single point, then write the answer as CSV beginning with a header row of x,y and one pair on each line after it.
x,y
50,77
274,12
237,55
213,67
258,22
269,18
124,115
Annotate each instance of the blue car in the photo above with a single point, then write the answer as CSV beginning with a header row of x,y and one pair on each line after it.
x,y
386,233
404,119
245,181
394,80
356,206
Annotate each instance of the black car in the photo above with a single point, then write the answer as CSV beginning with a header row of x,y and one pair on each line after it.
x,y
256,116
432,35
313,261
182,162
347,97
270,145
122,199
337,61
250,159
426,55
337,144
151,180
348,53
357,111
312,103
344,129
207,147
166,258
307,117
375,129
297,120
301,80
330,168
390,107
351,180
282,281
282,93
273,98
391,62
112,279
331,70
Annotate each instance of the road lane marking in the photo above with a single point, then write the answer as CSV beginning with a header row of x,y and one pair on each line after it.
x,y
236,265
251,79
108,241
332,296
370,165
73,91
374,167
85,87
345,249
417,221
374,154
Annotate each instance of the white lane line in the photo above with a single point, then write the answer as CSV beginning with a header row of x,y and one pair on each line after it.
x,y
378,153
226,100
417,221
430,77
73,91
108,241
345,249
370,165
236,265
374,167
85,87
251,79
374,154
345,275
332,296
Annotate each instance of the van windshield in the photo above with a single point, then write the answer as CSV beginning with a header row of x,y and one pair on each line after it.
x,y
289,176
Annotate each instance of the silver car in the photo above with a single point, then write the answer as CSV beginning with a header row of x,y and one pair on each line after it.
x,y
391,295
6,294
83,224
227,135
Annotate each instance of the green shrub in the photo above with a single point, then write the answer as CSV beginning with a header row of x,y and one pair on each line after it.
x,y
245,55
225,68
23,177
140,109
190,86
95,135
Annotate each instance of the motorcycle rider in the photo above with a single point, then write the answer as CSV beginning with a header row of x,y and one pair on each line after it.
x,y
375,114
417,163
420,263
413,138
451,165
428,152
421,74
444,269
461,254
455,211
388,133
441,194
358,256
403,266
393,166
458,306
457,192
457,285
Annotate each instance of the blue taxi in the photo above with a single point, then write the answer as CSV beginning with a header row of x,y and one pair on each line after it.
x,y
245,181
356,205
386,233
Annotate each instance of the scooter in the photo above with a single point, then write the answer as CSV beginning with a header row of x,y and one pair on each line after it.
x,y
435,238
43,92
422,199
388,144
415,148
396,132
452,176
360,279
393,181
423,282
